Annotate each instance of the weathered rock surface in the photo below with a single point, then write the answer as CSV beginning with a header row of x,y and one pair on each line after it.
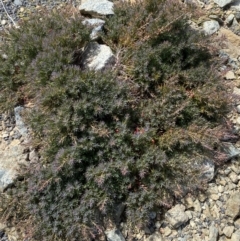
x,y
177,216
210,27
233,205
96,25
207,171
213,233
223,3
114,235
97,56
12,153
96,7
232,42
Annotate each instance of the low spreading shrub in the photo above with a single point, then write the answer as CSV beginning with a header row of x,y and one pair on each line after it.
x,y
134,135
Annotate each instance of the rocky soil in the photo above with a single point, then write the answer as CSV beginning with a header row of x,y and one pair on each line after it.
x,y
213,215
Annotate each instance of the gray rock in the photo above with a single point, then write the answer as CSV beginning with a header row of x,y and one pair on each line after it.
x,y
213,233
96,33
207,171
237,15
155,237
97,56
210,27
114,235
229,19
228,231
19,121
235,5
233,205
11,158
93,22
33,156
223,3
176,216
96,7
18,2
233,176
236,91
236,236
231,151
97,25
197,206
230,75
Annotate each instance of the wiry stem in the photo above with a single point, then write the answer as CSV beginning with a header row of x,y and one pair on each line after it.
x,y
15,25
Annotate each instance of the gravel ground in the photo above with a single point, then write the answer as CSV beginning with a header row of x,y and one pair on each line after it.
x,y
20,9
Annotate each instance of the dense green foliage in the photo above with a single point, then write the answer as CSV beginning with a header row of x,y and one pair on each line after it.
x,y
135,135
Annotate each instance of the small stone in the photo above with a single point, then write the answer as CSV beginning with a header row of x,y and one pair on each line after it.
x,y
237,223
197,206
114,235
213,233
228,231
188,202
96,7
3,22
97,56
236,168
223,3
5,135
210,27
230,75
236,91
18,2
176,216
220,188
212,189
229,19
238,109
233,205
189,214
202,197
236,236
233,176
192,224
214,197
167,231
231,186
215,211
21,9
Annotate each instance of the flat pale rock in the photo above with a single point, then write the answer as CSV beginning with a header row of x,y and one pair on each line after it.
x,y
236,91
207,171
10,159
177,216
228,231
96,7
93,22
232,42
114,235
97,56
230,75
236,236
223,3
213,233
210,27
233,205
